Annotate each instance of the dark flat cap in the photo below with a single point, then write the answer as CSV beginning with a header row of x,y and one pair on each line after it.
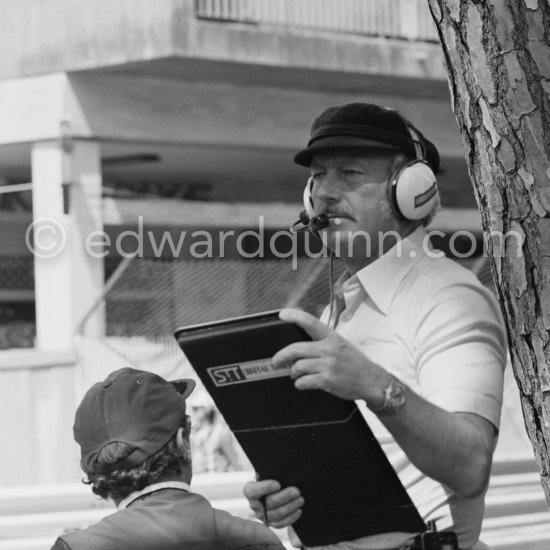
x,y
367,126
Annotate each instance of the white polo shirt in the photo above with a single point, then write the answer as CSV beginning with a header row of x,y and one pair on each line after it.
x,y
430,323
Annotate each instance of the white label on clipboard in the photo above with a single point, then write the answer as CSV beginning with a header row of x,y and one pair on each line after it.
x,y
249,371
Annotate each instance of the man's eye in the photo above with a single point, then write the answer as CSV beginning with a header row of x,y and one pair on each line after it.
x,y
317,176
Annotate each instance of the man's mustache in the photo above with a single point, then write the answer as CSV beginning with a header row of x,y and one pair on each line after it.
x,y
335,213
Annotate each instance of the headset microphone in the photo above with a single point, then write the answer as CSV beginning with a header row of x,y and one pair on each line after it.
x,y
319,222
302,224
315,223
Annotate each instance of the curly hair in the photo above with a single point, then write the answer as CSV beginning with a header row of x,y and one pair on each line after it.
x,y
119,483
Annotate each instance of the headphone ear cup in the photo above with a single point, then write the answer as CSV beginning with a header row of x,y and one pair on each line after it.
x,y
413,190
308,199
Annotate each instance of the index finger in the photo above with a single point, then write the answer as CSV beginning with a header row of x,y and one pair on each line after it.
x,y
255,490
308,322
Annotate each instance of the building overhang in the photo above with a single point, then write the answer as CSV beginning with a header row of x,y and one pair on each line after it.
x,y
173,38
231,137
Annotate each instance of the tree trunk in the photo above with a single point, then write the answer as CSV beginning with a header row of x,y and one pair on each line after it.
x,y
497,55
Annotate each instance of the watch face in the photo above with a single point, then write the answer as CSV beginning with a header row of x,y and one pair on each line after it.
x,y
394,397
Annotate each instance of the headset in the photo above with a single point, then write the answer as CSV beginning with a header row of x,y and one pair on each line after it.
x,y
412,191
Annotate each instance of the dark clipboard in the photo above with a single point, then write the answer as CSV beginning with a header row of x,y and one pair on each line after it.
x,y
309,439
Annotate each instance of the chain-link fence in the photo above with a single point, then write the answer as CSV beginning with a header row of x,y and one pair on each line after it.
x,y
155,296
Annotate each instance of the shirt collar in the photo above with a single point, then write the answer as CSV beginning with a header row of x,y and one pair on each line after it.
x,y
182,486
381,278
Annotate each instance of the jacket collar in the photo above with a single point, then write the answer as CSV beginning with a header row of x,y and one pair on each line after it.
x,y
182,486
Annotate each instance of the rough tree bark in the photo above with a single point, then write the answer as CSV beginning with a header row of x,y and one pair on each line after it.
x,y
497,54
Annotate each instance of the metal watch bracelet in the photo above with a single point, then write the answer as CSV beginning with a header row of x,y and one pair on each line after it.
x,y
394,398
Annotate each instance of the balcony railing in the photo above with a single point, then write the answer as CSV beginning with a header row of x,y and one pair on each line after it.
x,y
400,19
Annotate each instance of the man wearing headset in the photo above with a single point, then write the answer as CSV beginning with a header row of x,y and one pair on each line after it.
x,y
418,341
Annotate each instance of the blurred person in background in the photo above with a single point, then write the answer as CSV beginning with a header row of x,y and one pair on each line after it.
x,y
214,447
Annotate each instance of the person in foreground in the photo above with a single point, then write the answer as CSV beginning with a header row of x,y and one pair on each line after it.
x,y
133,433
410,335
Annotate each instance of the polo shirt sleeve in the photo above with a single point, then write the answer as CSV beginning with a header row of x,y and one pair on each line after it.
x,y
461,350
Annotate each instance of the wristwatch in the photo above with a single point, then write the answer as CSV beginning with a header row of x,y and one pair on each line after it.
x,y
394,398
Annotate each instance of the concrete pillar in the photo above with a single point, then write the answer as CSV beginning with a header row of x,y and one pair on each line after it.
x,y
66,210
